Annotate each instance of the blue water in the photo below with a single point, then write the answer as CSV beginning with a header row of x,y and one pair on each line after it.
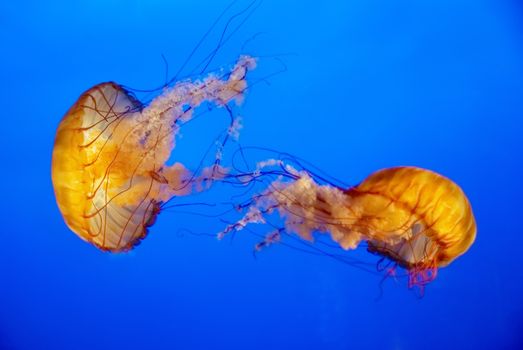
x,y
368,84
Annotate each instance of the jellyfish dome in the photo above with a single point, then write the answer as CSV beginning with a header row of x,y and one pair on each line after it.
x,y
415,217
109,168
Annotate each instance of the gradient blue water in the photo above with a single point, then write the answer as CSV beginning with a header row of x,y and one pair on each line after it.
x,y
369,84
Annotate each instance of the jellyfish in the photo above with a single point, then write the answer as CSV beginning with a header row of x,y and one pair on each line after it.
x,y
109,163
416,218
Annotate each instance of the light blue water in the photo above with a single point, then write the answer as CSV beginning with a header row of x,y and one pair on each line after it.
x,y
369,84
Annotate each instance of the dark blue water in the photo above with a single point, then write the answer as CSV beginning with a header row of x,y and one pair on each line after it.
x,y
368,84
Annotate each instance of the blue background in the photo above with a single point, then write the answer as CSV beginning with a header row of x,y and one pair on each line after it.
x,y
370,84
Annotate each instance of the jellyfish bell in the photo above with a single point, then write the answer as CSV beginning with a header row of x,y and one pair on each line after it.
x,y
418,219
109,168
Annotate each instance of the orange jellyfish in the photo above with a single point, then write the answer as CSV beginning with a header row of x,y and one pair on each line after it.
x,y
415,217
109,167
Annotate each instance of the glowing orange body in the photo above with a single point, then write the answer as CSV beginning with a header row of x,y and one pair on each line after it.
x,y
101,173
414,216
